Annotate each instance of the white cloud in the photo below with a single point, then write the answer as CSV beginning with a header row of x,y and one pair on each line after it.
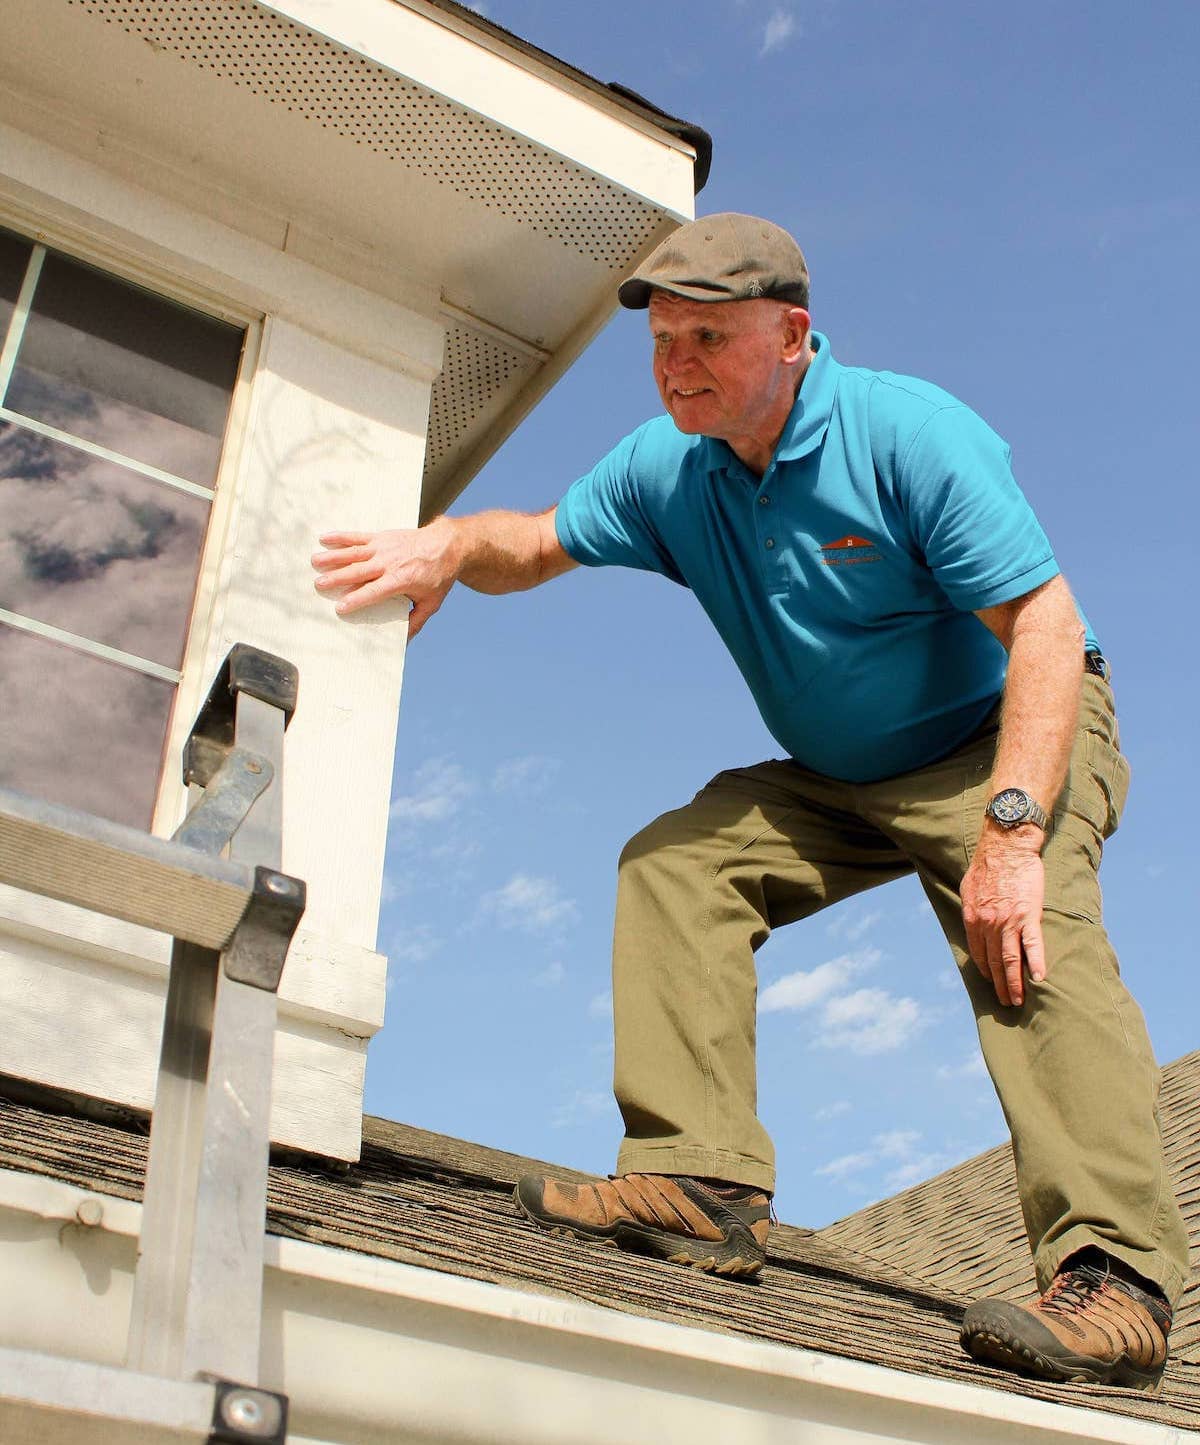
x,y
914,1170
780,28
869,1021
972,1067
439,789
551,976
528,775
600,1006
833,1110
414,945
800,990
949,979
584,1105
852,928
897,1148
846,1164
896,1143
533,905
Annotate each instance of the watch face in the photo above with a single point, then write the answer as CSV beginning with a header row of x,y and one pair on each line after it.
x,y
1010,806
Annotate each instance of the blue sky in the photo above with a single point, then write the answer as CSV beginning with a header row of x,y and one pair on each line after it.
x,y
1001,199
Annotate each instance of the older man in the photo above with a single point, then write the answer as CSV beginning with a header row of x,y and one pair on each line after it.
x,y
859,542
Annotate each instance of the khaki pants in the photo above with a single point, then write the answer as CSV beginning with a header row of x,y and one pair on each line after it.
x,y
703,886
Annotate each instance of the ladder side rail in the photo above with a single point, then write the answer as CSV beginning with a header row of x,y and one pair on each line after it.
x,y
198,1286
223,1330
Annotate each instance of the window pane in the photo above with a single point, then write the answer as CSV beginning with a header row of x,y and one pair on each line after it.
x,y
14,257
96,549
132,372
79,731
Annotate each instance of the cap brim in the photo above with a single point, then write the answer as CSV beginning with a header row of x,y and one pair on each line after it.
x,y
636,292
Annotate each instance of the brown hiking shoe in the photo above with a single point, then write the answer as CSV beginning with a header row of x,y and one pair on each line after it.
x,y
1092,1324
710,1226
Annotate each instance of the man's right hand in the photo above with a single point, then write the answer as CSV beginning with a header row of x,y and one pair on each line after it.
x,y
369,567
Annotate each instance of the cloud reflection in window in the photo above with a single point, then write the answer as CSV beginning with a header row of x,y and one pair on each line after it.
x,y
96,549
79,731
126,370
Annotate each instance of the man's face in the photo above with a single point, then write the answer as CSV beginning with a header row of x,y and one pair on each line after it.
x,y
725,368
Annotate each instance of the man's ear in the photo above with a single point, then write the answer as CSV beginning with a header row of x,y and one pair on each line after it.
x,y
797,328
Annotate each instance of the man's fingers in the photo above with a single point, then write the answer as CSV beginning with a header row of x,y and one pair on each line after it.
x,y
354,575
977,946
344,539
343,556
418,617
995,967
1012,961
365,596
1035,950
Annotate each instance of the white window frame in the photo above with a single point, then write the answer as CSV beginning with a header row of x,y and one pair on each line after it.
x,y
169,792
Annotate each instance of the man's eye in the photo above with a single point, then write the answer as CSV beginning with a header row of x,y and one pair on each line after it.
x,y
708,337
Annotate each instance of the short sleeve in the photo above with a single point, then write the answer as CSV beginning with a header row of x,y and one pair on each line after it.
x,y
978,533
605,518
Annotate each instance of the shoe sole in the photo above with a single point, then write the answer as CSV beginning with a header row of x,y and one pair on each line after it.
x,y
726,1258
992,1342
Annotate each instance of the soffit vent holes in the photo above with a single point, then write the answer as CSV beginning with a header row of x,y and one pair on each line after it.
x,y
394,116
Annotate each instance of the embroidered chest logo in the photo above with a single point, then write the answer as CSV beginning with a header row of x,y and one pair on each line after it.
x,y
846,551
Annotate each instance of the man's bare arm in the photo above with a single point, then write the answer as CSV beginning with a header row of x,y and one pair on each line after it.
x,y
492,552
1003,890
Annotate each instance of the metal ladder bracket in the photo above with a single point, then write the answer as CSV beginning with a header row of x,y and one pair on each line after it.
x,y
257,951
246,1415
246,670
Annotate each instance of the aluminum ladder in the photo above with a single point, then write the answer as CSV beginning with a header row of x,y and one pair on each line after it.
x,y
191,1366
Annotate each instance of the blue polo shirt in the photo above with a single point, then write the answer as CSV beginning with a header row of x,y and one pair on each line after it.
x,y
844,580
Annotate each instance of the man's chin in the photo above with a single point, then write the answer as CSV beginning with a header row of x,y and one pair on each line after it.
x,y
688,421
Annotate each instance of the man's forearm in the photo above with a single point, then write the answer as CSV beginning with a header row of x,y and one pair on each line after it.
x,y
1041,699
1004,888
491,552
497,552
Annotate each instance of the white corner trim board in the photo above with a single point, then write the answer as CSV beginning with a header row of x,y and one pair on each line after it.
x,y
437,1357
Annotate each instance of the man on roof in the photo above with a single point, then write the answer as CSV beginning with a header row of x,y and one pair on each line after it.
x,y
860,544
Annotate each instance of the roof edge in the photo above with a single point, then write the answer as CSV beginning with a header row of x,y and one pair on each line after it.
x,y
687,131
606,1360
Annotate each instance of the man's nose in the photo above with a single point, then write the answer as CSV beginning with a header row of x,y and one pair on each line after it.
x,y
678,355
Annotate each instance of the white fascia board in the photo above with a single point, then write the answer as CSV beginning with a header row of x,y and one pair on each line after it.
x,y
512,90
426,1347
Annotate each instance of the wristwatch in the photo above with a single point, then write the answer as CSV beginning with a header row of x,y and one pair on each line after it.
x,y
1014,806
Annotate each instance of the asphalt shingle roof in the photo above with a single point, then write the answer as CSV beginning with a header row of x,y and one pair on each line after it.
x,y
886,1285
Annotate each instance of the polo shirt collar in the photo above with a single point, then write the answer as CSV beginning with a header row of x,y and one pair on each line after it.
x,y
809,418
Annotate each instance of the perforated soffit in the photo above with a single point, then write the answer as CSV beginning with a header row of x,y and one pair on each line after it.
x,y
475,371
394,116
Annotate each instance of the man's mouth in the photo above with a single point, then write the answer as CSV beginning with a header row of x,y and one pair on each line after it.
x,y
690,391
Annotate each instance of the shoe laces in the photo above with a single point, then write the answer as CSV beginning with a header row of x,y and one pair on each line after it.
x,y
1074,1290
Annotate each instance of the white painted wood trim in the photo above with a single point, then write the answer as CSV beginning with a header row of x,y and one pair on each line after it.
x,y
20,317
75,1022
325,981
90,212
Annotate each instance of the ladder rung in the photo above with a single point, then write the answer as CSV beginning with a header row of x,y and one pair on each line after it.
x,y
71,855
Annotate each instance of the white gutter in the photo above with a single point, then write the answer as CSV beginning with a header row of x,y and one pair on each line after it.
x,y
372,1351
